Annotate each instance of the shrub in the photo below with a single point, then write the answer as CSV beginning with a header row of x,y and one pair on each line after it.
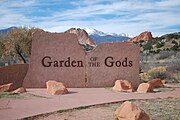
x,y
158,72
175,47
160,44
176,77
144,77
173,66
165,54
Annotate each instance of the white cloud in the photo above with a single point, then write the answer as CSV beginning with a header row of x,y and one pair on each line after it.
x,y
128,16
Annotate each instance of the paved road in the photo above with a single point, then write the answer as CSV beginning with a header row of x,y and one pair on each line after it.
x,y
20,108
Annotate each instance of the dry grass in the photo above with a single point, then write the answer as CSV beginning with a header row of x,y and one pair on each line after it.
x,y
10,95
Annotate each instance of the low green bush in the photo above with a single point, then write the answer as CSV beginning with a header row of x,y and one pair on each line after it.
x,y
144,77
158,72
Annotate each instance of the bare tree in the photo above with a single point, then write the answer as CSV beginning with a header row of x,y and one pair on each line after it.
x,y
18,42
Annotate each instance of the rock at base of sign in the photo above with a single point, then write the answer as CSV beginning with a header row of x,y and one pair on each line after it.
x,y
129,111
157,82
7,87
123,86
144,88
56,88
20,90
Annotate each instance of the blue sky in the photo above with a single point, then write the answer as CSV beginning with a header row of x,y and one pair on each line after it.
x,y
118,16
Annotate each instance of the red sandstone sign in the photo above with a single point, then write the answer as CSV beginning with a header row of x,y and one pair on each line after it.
x,y
59,56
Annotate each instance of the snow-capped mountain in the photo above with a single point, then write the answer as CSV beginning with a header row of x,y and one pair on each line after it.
x,y
101,37
92,31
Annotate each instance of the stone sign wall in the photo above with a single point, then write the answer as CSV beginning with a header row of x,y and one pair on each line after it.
x,y
109,62
13,74
58,56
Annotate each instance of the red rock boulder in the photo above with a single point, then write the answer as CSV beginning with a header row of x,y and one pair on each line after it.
x,y
123,85
144,88
56,88
83,37
164,82
7,87
129,111
20,90
143,36
157,82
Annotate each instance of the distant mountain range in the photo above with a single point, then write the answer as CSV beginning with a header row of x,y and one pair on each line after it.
x,y
148,44
98,36
3,32
101,37
7,29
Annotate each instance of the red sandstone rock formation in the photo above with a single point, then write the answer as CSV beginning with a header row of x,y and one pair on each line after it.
x,y
123,85
20,90
143,36
83,37
7,87
56,88
129,111
157,82
144,88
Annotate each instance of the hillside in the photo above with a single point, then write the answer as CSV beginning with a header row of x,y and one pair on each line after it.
x,y
168,42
